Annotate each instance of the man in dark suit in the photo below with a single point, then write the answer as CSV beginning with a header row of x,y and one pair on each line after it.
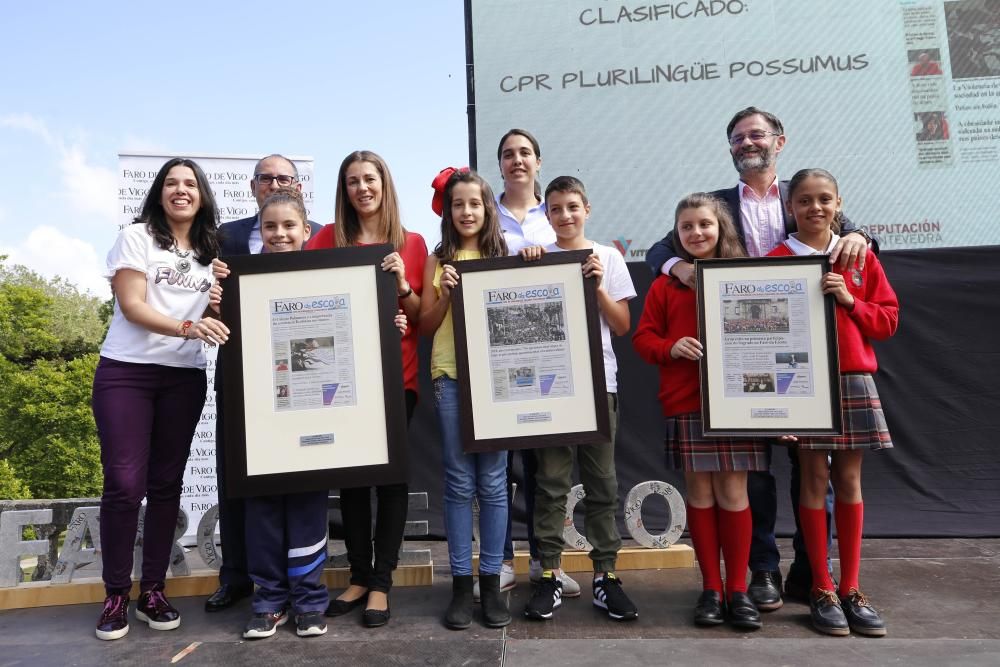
x,y
757,206
242,237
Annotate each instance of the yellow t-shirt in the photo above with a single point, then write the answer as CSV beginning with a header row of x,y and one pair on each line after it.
x,y
443,351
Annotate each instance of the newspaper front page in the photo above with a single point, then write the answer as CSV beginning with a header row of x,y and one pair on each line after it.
x,y
766,342
312,352
528,347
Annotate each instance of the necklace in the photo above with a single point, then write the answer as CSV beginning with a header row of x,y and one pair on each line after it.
x,y
183,264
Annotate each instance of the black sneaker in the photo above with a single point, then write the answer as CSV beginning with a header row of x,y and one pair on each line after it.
x,y
310,624
154,608
608,595
264,624
546,598
827,615
113,623
861,615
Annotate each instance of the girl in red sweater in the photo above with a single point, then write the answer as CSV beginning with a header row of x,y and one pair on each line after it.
x,y
715,469
866,308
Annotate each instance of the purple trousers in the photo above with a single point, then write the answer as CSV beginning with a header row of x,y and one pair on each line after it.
x,y
146,415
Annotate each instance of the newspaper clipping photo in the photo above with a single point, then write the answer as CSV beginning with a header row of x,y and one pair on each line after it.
x,y
766,338
312,352
528,347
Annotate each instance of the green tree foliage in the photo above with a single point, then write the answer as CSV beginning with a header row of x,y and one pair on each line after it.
x,y
47,427
46,318
11,487
49,337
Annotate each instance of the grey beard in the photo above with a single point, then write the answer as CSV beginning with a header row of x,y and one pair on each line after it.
x,y
752,163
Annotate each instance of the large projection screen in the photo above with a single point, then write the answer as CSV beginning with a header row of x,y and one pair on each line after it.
x,y
899,99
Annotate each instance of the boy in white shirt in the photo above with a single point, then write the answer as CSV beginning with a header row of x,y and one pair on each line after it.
x,y
567,209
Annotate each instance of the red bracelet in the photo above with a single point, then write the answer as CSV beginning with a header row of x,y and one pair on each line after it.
x,y
182,330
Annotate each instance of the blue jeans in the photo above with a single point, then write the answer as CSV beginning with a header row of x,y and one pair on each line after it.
x,y
466,475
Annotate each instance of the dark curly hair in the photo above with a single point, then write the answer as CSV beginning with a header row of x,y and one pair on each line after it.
x,y
204,234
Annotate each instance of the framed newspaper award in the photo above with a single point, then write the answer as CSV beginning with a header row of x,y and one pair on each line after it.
x,y
770,335
529,356
312,373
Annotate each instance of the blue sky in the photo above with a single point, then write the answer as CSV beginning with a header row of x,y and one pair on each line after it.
x,y
82,82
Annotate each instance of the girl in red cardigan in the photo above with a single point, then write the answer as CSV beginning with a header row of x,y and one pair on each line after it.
x,y
866,308
715,469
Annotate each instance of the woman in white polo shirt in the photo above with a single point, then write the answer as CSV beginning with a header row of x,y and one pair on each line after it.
x,y
149,388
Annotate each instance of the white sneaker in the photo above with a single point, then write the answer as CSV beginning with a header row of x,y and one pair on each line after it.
x,y
508,580
570,589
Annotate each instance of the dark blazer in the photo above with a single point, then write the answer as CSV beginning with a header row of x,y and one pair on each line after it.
x,y
663,250
234,236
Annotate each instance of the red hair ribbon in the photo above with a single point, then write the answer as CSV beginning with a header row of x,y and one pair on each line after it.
x,y
439,182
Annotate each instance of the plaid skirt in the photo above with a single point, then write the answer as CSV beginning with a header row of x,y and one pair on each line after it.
x,y
689,450
864,421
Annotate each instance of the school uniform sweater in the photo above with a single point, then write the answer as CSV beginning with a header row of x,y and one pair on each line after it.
x,y
670,313
875,314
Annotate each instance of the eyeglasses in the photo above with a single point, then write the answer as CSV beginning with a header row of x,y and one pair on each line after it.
x,y
267,179
756,135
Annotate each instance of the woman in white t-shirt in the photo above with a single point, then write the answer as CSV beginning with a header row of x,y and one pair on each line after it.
x,y
149,388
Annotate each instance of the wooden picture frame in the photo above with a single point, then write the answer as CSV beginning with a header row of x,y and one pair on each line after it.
x,y
313,418
529,355
770,342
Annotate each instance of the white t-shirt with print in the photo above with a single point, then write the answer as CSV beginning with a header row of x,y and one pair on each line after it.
x,y
618,284
168,291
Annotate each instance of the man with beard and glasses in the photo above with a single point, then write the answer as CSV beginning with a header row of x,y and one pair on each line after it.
x,y
757,205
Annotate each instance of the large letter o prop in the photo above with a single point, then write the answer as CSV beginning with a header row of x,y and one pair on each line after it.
x,y
633,514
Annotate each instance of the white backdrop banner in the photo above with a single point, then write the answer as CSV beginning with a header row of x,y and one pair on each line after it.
x,y
229,177
900,100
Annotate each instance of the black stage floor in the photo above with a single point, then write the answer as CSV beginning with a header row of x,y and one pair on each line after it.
x,y
939,598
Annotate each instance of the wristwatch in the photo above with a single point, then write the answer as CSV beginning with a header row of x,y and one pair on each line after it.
x,y
864,234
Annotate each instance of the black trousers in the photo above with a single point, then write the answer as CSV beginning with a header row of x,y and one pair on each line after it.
x,y
232,512
373,556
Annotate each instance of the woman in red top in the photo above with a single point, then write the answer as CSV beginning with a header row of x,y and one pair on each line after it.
x,y
368,213
715,469
867,308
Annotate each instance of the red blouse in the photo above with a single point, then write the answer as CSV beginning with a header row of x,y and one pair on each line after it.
x,y
414,254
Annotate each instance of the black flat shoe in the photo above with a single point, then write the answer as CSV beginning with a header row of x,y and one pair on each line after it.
x,y
708,611
827,615
338,607
225,596
861,615
741,612
765,590
375,618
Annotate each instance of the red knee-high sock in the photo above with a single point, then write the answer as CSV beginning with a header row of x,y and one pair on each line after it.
x,y
814,533
850,519
704,528
735,529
